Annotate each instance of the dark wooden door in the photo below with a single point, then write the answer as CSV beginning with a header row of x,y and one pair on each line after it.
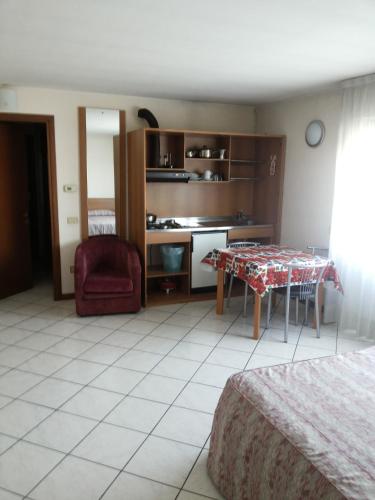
x,y
15,248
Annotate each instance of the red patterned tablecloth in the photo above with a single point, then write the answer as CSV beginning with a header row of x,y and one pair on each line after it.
x,y
265,267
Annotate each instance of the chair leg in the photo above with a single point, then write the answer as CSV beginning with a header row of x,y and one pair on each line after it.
x,y
306,311
317,318
269,306
297,310
245,300
230,290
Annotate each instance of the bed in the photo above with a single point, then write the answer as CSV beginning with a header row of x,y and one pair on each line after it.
x,y
297,431
101,216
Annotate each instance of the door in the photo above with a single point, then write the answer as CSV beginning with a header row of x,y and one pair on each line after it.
x,y
202,244
15,248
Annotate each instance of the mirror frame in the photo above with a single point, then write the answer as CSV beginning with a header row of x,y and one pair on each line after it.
x,y
120,182
322,133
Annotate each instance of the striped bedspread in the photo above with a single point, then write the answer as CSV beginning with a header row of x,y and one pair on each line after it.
x,y
297,431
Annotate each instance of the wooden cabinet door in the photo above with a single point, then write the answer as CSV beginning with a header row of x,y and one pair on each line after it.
x,y
15,248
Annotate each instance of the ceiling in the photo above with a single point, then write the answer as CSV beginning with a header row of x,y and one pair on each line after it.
x,y
245,51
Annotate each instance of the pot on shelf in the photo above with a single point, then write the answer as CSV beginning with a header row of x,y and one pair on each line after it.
x,y
206,152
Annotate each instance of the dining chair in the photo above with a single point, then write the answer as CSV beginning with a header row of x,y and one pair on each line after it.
x,y
315,250
240,244
310,277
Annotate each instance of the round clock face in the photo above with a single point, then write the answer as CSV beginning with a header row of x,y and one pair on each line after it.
x,y
314,134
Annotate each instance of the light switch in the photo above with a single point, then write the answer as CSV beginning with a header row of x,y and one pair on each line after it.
x,y
72,220
70,188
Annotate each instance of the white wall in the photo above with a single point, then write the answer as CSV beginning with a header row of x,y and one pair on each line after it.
x,y
63,105
309,173
100,166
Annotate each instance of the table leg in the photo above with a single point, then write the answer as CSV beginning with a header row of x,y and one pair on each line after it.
x,y
220,292
257,311
320,305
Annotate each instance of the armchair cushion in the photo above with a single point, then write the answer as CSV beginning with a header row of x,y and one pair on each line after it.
x,y
107,282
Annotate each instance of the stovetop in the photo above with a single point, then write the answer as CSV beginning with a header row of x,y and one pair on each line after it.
x,y
166,224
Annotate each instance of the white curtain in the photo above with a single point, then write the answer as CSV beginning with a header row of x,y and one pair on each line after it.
x,y
353,223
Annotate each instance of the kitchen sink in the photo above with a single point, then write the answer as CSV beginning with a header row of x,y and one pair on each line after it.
x,y
227,223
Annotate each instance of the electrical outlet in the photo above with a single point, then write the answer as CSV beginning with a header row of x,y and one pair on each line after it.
x,y
72,220
72,269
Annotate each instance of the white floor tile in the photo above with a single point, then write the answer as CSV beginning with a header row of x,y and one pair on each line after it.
x,y
24,465
75,479
4,400
92,403
81,372
163,460
52,393
182,369
70,347
11,335
346,345
238,343
118,380
303,352
158,388
173,332
186,495
171,308
199,397
276,349
61,431
13,356
228,357
123,339
5,443
214,375
139,360
63,328
139,326
139,414
92,333
55,313
259,360
45,363
324,342
19,417
112,321
156,345
110,445
187,426
132,487
35,323
215,325
275,335
199,481
11,318
154,315
203,337
184,320
39,341
190,350
14,382
102,353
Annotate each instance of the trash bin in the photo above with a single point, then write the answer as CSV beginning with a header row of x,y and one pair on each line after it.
x,y
172,257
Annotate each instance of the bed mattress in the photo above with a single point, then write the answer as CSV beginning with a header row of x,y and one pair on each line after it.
x,y
297,431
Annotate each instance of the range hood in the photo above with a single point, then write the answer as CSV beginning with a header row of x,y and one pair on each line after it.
x,y
167,176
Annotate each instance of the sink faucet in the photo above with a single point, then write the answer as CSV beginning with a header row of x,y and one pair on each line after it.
x,y
240,215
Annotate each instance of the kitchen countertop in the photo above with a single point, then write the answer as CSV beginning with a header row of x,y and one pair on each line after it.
x,y
209,226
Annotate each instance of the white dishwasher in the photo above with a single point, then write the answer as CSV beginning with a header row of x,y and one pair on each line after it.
x,y
202,243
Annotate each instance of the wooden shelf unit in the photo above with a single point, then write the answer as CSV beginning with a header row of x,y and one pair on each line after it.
x,y
249,184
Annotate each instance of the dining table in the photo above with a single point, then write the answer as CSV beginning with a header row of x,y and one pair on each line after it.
x,y
264,268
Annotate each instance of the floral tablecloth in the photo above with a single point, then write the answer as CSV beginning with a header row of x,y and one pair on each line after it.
x,y
265,267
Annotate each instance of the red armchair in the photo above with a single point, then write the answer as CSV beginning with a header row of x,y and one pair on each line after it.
x,y
107,276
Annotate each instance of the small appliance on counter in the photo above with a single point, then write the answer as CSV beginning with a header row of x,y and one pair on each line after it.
x,y
163,224
167,176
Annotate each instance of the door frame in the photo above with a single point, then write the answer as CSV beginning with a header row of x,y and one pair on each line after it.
x,y
49,121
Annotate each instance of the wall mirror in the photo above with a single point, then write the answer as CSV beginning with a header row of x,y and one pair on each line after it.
x,y
102,163
314,134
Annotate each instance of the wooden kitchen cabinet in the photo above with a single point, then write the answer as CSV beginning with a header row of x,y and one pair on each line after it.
x,y
252,173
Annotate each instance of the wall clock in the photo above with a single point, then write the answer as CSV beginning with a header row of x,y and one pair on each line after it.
x,y
315,132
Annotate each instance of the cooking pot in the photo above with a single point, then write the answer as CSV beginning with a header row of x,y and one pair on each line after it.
x,y
206,152
191,153
151,217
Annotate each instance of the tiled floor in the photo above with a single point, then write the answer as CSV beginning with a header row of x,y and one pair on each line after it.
x,y
120,407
